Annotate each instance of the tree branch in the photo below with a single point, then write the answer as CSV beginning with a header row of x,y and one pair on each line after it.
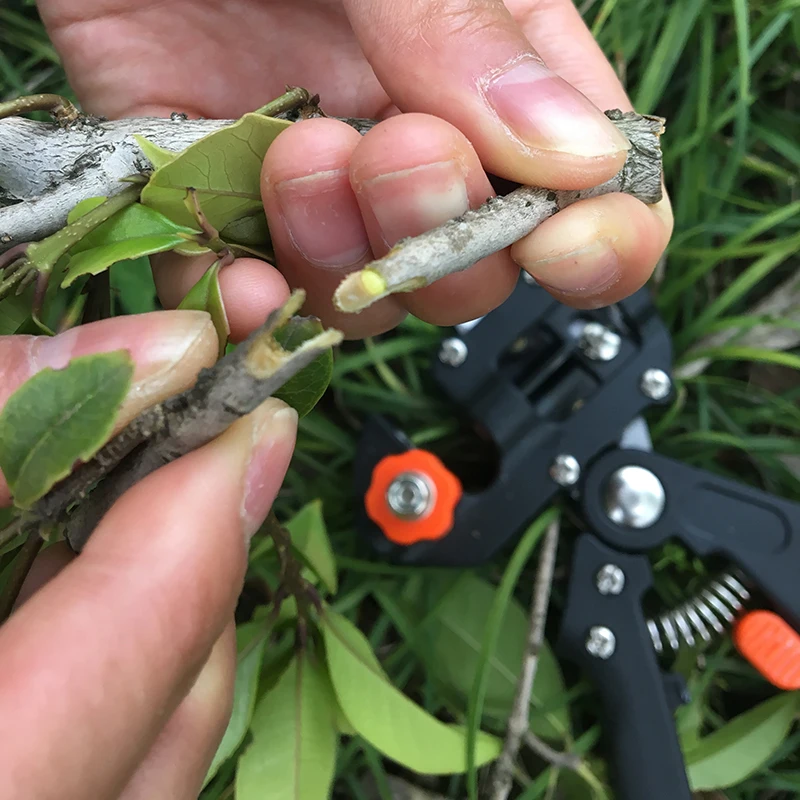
x,y
519,721
500,222
50,168
232,388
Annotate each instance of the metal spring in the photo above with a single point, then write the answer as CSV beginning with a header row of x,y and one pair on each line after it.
x,y
712,609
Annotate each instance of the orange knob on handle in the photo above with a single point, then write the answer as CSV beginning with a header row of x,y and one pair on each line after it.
x,y
412,497
772,646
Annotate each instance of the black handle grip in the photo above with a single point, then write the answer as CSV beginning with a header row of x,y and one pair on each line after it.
x,y
606,636
711,514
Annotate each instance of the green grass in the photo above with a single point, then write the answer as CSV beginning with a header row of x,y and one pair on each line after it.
x,y
725,75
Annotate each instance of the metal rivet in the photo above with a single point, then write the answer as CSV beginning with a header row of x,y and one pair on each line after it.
x,y
410,495
610,580
601,642
655,384
453,352
600,343
634,497
565,470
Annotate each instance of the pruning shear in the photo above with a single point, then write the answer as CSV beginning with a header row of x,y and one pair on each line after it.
x,y
560,394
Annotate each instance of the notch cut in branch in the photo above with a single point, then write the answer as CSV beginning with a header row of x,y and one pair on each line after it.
x,y
236,385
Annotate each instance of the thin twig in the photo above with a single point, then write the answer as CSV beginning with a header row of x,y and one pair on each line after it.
x,y
22,566
557,758
519,721
500,222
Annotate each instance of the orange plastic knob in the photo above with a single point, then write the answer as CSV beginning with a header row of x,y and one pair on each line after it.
x,y
413,497
772,646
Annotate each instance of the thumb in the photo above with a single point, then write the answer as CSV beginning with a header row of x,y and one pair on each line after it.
x,y
169,348
468,62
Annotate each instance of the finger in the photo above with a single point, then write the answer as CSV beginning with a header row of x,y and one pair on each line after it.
x,y
96,662
250,288
560,36
470,63
177,763
597,252
412,173
618,240
168,348
315,221
45,567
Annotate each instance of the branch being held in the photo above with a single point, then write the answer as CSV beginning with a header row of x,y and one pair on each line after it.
x,y
459,243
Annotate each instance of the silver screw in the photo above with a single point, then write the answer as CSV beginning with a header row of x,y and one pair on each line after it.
x,y
600,343
655,384
565,470
601,642
610,580
634,497
409,495
453,352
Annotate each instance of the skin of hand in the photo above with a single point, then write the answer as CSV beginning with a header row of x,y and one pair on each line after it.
x,y
118,665
464,87
128,650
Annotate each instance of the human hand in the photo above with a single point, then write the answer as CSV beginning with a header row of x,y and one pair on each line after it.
x,y
118,666
469,78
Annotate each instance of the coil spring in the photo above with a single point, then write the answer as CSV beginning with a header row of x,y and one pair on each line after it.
x,y
713,608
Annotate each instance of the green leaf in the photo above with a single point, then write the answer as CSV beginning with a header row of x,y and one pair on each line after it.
x,y
742,746
206,295
251,639
293,753
132,222
304,390
14,312
132,283
454,635
157,156
310,538
59,417
99,259
385,717
225,170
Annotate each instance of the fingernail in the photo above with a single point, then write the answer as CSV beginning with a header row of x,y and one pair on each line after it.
x,y
589,270
168,352
412,201
273,427
323,218
546,113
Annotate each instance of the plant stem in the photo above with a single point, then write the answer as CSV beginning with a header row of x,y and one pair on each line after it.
x,y
519,721
61,109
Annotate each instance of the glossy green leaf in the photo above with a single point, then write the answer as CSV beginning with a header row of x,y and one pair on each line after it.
x,y
293,753
59,417
385,717
224,168
310,538
251,639
304,390
132,284
99,259
157,156
454,634
206,295
742,746
84,207
14,312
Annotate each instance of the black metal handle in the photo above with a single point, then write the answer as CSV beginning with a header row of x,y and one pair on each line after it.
x,y
757,530
606,635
